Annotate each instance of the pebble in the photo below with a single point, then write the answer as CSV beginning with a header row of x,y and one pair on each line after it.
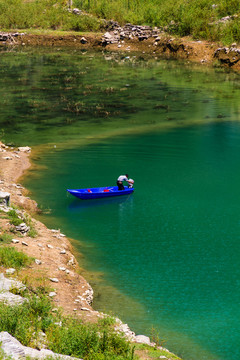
x,y
54,280
15,241
24,243
38,262
52,294
63,252
62,268
49,246
10,271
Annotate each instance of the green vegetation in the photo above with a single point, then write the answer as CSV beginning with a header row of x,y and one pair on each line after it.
x,y
199,19
63,335
45,14
5,238
10,257
16,218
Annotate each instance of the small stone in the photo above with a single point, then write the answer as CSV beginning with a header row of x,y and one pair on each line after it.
x,y
54,280
24,148
38,262
10,271
15,241
52,294
49,246
83,40
85,309
24,243
61,268
63,252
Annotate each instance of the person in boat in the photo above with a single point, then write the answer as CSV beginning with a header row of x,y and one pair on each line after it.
x,y
120,181
130,183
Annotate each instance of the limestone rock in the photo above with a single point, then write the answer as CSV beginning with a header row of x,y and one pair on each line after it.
x,y
4,198
15,350
24,149
142,339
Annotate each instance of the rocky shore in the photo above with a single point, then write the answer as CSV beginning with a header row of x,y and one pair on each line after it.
x,y
154,41
55,265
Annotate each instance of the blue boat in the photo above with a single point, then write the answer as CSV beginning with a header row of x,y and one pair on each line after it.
x,y
100,192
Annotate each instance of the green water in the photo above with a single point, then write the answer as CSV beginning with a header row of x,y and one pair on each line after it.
x,y
168,255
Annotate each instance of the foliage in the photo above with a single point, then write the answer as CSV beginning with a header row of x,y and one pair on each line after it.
x,y
64,335
45,14
10,257
16,218
180,17
5,238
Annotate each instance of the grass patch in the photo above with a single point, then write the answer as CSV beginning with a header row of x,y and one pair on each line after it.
x,y
5,238
199,19
153,353
64,335
10,257
16,218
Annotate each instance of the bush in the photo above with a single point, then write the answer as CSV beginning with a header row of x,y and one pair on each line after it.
x,y
66,336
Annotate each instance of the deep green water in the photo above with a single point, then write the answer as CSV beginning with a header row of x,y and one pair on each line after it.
x,y
168,256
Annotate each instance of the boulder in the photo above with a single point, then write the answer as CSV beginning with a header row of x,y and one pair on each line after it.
x,y
4,198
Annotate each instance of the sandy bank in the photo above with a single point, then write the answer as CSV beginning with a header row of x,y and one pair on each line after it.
x,y
50,247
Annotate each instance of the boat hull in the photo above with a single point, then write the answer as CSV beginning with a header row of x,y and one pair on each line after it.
x,y
101,192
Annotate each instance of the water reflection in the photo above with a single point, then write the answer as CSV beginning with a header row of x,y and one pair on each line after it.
x,y
78,204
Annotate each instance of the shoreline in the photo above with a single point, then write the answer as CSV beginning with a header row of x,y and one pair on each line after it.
x,y
165,46
55,266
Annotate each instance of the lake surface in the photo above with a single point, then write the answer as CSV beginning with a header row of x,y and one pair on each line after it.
x,y
166,257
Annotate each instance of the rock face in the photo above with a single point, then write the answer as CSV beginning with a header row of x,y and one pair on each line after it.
x,y
4,198
228,56
15,350
5,295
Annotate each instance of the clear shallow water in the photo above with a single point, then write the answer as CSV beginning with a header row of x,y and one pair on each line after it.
x,y
170,252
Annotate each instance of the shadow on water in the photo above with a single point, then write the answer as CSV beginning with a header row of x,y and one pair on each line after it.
x,y
78,204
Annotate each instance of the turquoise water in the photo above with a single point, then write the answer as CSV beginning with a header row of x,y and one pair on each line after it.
x,y
173,246
166,257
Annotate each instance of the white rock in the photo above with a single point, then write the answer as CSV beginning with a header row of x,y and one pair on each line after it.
x,y
10,271
38,262
52,294
7,284
11,299
49,246
24,149
62,268
13,349
142,339
54,280
15,241
63,252
24,243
